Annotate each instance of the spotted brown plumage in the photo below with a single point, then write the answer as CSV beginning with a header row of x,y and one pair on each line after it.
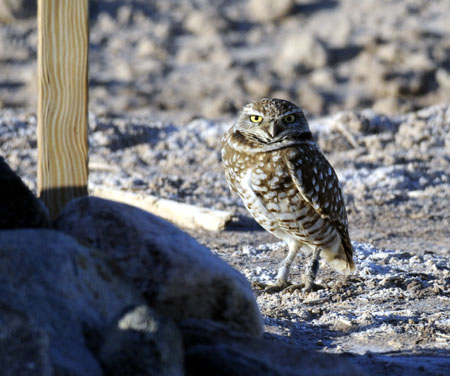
x,y
272,161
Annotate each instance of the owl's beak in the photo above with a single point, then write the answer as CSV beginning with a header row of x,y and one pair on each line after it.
x,y
274,128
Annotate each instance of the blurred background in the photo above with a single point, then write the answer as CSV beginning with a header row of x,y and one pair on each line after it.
x,y
206,58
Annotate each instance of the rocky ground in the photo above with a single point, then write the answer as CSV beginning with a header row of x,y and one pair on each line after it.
x,y
155,83
393,311
203,58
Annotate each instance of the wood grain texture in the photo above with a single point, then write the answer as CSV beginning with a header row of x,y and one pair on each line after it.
x,y
62,104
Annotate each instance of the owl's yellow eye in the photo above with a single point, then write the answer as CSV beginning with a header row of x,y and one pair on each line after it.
x,y
289,119
256,118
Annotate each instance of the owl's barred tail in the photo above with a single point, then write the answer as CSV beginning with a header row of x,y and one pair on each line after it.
x,y
343,262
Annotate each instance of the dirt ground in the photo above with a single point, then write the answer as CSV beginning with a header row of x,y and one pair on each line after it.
x,y
390,315
205,58
396,321
364,74
392,318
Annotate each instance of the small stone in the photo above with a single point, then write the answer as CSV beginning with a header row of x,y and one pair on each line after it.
x,y
437,290
269,10
204,22
257,88
301,50
323,77
142,342
125,14
443,78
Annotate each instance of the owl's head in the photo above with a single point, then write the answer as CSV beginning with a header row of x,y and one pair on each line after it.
x,y
270,120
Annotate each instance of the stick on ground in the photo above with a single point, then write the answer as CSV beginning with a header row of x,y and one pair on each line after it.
x,y
183,215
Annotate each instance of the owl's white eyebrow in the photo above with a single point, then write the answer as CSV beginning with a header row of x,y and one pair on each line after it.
x,y
253,112
291,112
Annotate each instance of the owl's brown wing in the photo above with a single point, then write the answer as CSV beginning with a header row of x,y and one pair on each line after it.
x,y
318,184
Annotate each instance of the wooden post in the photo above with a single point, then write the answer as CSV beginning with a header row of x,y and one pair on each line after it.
x,y
62,103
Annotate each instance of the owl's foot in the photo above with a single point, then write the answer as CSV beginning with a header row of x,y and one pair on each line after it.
x,y
313,287
306,288
270,288
286,287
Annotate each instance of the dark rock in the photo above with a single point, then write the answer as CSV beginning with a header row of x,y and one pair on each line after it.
x,y
69,292
19,208
23,346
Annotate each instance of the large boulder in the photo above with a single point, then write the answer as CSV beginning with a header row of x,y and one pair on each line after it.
x,y
64,294
19,208
179,277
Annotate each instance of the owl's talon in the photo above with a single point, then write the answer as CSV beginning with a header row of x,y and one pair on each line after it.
x,y
270,288
303,288
290,289
313,287
258,285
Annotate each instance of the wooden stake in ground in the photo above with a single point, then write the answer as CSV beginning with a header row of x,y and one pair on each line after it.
x,y
62,104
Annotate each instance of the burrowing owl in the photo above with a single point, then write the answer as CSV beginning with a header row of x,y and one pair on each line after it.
x,y
272,162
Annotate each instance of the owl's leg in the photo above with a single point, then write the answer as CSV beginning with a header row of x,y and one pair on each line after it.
x,y
281,281
312,267
311,272
285,266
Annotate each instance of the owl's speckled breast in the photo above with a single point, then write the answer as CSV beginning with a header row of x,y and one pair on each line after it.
x,y
271,196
